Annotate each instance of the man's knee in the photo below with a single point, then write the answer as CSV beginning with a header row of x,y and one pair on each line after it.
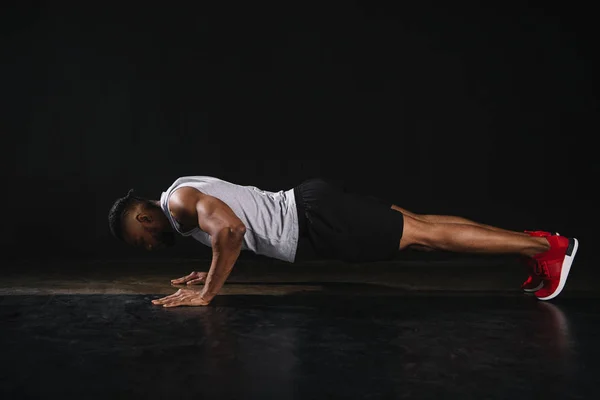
x,y
417,232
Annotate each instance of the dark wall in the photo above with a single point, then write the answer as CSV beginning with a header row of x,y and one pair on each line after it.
x,y
487,113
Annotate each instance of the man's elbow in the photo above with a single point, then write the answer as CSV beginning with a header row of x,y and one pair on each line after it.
x,y
238,231
231,237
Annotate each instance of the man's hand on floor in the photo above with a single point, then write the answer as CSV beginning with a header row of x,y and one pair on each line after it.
x,y
182,297
194,278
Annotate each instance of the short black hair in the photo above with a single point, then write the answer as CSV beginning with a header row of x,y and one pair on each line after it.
x,y
118,210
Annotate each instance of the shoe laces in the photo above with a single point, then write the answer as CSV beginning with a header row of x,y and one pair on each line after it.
x,y
541,269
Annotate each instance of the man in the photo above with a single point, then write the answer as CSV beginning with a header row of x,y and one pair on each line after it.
x,y
338,224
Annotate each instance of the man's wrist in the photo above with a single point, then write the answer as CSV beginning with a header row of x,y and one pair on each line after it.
x,y
207,295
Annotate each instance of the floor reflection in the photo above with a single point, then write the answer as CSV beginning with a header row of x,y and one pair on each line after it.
x,y
309,345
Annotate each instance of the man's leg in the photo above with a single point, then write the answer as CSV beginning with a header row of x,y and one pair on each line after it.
x,y
447,219
552,254
532,283
457,234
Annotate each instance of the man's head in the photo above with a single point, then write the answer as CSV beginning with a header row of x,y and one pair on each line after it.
x,y
140,222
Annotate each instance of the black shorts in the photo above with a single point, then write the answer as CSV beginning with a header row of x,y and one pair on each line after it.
x,y
347,226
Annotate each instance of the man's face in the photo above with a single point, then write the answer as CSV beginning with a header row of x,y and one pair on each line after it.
x,y
148,228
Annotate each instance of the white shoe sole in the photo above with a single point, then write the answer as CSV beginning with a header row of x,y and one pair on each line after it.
x,y
566,268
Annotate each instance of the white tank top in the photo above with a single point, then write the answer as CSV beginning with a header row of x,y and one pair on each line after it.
x,y
270,218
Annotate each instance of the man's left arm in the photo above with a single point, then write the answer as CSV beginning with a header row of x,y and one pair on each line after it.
x,y
226,245
227,234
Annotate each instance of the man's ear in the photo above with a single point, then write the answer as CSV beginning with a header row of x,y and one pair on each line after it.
x,y
143,218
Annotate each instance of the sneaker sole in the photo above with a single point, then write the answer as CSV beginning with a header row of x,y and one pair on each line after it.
x,y
566,268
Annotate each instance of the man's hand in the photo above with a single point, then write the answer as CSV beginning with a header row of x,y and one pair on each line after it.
x,y
194,278
182,297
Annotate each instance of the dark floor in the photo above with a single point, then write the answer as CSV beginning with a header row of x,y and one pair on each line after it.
x,y
96,334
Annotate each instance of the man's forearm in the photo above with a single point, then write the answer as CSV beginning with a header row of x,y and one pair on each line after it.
x,y
226,245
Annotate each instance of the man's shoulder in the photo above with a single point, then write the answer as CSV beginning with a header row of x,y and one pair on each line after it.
x,y
183,194
182,204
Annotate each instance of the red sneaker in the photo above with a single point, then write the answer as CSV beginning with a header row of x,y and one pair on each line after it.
x,y
554,265
534,282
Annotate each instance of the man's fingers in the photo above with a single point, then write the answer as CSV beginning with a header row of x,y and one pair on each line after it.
x,y
160,301
186,302
181,280
173,304
181,300
166,301
186,278
197,281
167,298
183,297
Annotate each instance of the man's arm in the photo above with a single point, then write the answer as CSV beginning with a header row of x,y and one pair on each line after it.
x,y
227,233
193,208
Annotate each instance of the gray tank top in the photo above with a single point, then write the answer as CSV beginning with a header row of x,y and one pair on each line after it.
x,y
270,218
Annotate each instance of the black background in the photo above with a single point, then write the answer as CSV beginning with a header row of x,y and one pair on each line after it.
x,y
486,112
